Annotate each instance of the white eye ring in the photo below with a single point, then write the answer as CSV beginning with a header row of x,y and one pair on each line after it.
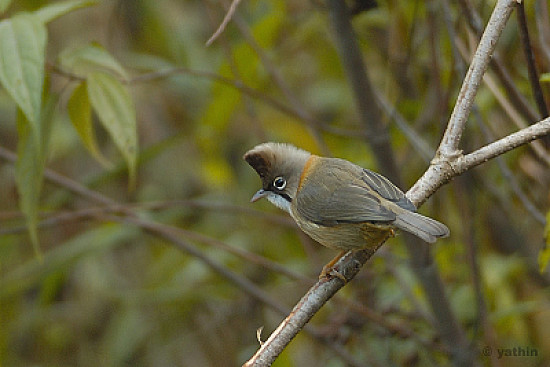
x,y
279,183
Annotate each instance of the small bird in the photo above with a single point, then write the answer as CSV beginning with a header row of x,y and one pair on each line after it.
x,y
337,203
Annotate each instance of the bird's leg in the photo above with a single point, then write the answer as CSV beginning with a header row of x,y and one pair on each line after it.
x,y
329,270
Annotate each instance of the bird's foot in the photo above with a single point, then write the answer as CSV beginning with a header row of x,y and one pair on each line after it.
x,y
331,273
329,270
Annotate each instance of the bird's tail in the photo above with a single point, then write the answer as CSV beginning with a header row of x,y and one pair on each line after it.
x,y
423,227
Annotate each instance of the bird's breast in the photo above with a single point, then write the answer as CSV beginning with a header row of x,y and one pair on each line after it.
x,y
343,236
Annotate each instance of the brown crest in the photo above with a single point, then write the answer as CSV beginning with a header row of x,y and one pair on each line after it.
x,y
258,161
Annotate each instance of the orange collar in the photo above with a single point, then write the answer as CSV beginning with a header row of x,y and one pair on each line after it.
x,y
307,167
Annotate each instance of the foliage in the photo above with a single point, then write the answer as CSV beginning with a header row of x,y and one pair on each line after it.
x,y
147,125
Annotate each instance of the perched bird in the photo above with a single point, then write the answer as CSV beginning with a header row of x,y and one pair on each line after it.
x,y
337,203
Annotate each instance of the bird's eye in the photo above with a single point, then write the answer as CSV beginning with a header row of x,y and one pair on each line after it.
x,y
279,183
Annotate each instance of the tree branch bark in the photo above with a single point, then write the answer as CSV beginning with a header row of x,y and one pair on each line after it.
x,y
448,163
474,76
370,113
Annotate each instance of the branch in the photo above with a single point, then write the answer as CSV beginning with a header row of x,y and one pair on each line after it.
x,y
451,139
225,21
351,264
490,151
420,257
308,306
448,163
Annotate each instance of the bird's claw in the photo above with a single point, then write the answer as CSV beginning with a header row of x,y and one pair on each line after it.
x,y
330,272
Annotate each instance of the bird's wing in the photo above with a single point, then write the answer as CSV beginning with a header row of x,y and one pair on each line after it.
x,y
386,189
345,192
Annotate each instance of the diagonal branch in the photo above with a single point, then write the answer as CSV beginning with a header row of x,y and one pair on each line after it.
x,y
351,264
465,100
448,163
421,260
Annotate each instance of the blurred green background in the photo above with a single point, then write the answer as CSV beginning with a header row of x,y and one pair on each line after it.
x,y
109,290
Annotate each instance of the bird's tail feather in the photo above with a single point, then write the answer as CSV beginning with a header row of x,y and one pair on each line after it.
x,y
423,227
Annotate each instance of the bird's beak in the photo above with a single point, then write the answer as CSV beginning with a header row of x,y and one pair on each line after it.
x,y
257,196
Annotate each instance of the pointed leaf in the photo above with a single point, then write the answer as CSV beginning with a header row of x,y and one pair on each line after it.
x,y
28,175
90,58
113,105
22,49
29,167
56,10
80,113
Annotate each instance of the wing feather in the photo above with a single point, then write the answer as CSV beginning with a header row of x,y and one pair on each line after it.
x,y
386,189
345,192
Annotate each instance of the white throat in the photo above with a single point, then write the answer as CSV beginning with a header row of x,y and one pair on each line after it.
x,y
279,201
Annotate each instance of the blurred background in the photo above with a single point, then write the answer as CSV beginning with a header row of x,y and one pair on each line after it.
x,y
183,270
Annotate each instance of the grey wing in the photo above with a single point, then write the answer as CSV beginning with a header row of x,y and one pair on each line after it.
x,y
386,189
342,197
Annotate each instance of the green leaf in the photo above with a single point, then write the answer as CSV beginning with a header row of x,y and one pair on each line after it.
x,y
544,254
113,105
29,167
22,50
544,77
87,59
80,113
4,4
56,10
28,176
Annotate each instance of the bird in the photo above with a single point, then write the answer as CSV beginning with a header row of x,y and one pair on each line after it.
x,y
337,203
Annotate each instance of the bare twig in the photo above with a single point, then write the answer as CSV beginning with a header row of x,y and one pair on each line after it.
x,y
226,20
449,162
415,139
350,264
512,180
508,107
421,259
304,310
490,151
451,139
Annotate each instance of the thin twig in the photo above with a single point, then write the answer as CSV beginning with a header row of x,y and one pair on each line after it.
x,y
304,310
449,146
418,143
226,20
512,181
421,259
446,165
501,146
509,108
